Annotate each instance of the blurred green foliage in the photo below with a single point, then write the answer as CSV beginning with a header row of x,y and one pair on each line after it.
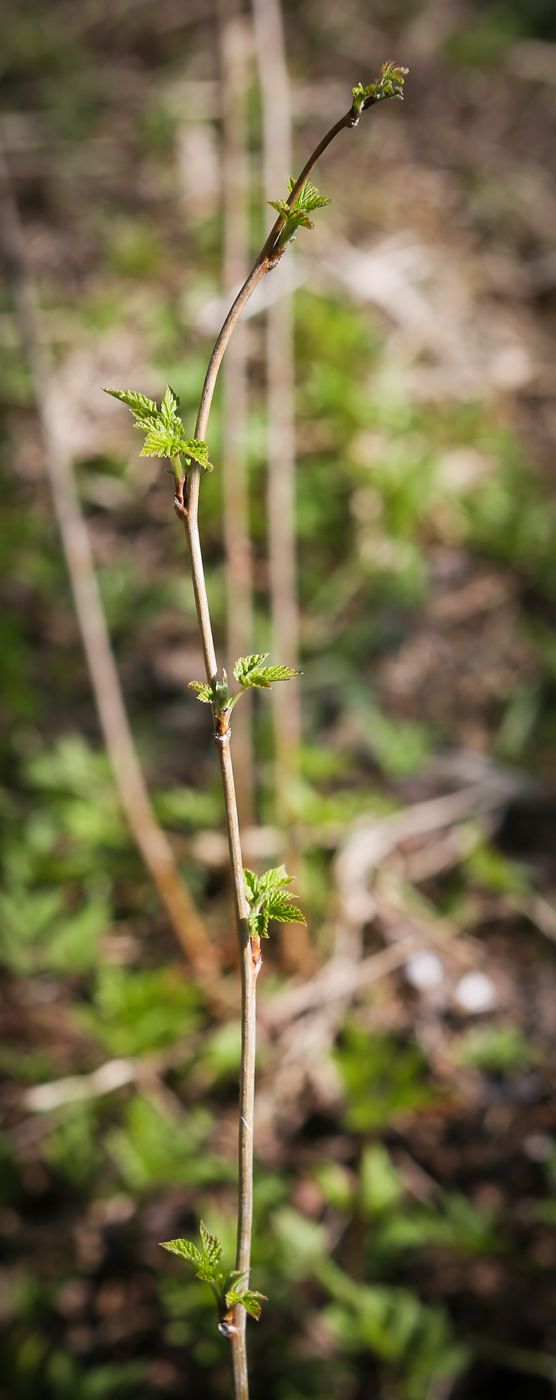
x,y
393,1324
383,1078
378,498
153,1149
501,1049
136,1013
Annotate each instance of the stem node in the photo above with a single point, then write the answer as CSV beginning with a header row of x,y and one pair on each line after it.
x,y
179,499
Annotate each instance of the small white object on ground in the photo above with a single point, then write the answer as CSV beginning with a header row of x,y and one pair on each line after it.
x,y
538,1147
475,992
424,971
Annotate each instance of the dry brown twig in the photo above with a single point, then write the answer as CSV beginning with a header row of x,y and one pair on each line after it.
x,y
235,43
276,113
150,839
303,1020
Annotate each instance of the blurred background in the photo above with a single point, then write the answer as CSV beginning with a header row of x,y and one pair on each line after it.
x,y
382,508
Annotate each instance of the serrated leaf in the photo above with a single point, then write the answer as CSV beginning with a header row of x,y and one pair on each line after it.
x,y
269,898
251,885
307,197
258,923
250,671
247,665
278,673
186,1250
169,406
257,681
281,207
295,218
211,1245
279,907
249,1300
198,450
140,406
209,1274
274,879
205,1263
389,84
163,440
203,690
163,426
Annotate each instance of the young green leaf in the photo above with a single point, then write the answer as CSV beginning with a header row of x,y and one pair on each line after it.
x,y
249,1300
163,427
217,694
279,907
389,84
275,879
250,671
251,884
204,691
162,440
185,1250
211,1245
308,197
140,406
268,898
276,673
246,666
296,214
169,404
205,1263
295,218
197,450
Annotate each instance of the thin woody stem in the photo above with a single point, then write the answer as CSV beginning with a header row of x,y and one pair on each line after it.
x,y
267,259
249,948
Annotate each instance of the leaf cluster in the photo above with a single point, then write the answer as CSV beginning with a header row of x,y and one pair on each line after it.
x,y
228,1289
389,84
269,898
250,672
205,1261
217,695
163,427
297,213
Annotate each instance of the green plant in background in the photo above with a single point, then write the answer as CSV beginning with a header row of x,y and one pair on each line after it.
x,y
154,1149
138,1012
256,900
382,1077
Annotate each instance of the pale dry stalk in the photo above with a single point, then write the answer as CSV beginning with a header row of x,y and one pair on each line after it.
x,y
277,135
235,66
